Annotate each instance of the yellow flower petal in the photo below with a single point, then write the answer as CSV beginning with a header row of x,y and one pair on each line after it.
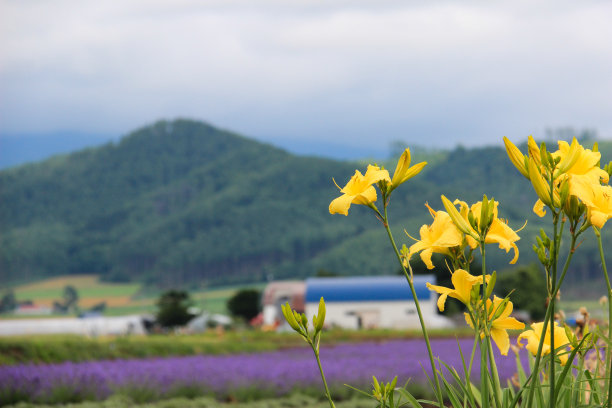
x,y
501,233
598,200
501,338
539,208
443,294
341,204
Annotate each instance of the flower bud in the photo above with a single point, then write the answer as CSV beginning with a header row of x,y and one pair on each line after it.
x,y
458,220
516,157
564,191
500,309
288,313
319,318
403,171
544,155
539,184
304,319
534,150
491,285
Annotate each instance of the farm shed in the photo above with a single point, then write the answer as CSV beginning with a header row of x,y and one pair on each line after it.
x,y
278,293
373,302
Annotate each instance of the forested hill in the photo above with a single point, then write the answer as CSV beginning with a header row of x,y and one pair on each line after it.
x,y
182,202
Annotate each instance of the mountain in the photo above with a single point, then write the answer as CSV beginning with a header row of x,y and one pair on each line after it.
x,y
184,203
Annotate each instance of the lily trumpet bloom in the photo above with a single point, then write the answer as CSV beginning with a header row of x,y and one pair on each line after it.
x,y
463,283
533,339
438,237
585,166
598,200
500,324
359,190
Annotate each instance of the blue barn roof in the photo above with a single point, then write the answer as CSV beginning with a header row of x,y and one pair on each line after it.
x,y
371,288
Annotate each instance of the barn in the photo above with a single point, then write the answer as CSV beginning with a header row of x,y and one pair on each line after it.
x,y
278,293
373,302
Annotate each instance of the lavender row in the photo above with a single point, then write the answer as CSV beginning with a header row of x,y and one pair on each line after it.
x,y
279,371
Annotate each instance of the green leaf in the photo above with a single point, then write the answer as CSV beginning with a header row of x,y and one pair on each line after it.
x,y
406,394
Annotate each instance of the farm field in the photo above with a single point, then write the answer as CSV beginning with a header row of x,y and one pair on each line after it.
x,y
298,400
45,349
238,377
120,298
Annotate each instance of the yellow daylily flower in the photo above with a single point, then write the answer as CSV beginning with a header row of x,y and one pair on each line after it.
x,y
533,339
499,232
501,324
359,190
403,171
598,200
438,237
462,282
575,163
585,167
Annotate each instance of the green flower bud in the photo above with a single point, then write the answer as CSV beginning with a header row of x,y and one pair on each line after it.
x,y
500,309
458,220
564,191
484,214
491,285
376,384
544,155
289,316
302,319
320,317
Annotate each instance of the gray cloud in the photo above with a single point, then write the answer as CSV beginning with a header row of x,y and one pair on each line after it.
x,y
362,72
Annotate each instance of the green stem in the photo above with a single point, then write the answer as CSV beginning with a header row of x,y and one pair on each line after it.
x,y
547,318
385,221
609,346
316,353
496,384
483,343
551,303
476,337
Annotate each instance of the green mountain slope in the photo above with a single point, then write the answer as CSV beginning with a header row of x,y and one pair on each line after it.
x,y
181,203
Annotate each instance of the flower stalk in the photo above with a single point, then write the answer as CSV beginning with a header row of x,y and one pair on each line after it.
x,y
385,222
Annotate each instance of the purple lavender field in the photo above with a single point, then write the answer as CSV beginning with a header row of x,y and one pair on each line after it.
x,y
278,372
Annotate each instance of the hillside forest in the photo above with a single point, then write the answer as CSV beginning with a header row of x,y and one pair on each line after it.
x,y
184,204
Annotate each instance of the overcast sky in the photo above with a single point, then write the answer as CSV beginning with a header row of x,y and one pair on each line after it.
x,y
434,73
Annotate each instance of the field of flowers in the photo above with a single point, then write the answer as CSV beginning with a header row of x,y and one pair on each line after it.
x,y
242,376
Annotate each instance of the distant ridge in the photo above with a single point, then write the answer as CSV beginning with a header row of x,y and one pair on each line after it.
x,y
182,203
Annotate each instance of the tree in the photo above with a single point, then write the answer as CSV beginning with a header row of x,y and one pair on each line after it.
x,y
172,308
8,303
71,297
244,304
529,288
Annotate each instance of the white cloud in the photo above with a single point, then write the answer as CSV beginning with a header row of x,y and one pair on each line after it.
x,y
439,72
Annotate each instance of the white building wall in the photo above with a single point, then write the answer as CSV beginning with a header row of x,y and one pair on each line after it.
x,y
378,314
92,326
